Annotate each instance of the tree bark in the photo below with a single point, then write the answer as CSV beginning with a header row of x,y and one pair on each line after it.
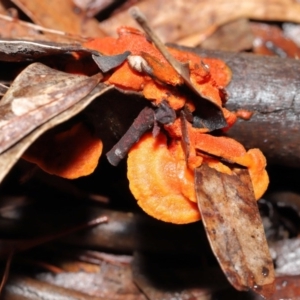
x,y
269,87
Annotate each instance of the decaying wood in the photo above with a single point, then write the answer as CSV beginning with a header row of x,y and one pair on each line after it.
x,y
146,120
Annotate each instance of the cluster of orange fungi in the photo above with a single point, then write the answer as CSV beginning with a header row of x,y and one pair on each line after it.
x,y
161,175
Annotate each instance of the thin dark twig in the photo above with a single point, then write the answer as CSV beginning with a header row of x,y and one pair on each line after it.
x,y
148,117
140,125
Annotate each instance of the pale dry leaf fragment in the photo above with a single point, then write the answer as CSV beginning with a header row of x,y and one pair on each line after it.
x,y
13,28
38,94
93,7
60,15
12,155
234,228
232,36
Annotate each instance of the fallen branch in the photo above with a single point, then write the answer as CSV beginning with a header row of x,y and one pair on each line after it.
x,y
268,86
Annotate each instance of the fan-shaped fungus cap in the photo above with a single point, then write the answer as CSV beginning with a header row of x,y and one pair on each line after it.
x,y
160,181
70,154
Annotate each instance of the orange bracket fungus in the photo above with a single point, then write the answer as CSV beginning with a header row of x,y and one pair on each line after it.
x,y
185,83
73,153
181,166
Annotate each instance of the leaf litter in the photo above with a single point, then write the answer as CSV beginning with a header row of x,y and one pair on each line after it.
x,y
16,104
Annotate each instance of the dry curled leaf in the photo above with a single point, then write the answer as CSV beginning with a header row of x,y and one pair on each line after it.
x,y
38,94
234,228
12,155
60,15
12,28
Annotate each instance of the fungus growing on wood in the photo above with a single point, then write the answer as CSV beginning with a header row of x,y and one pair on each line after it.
x,y
70,154
161,166
163,183
160,180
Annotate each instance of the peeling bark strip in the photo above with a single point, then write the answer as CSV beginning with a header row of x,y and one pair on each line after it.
x,y
234,228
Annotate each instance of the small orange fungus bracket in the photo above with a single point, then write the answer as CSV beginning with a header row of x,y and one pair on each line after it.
x,y
69,154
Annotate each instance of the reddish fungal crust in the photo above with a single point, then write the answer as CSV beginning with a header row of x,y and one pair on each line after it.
x,y
244,114
208,75
69,154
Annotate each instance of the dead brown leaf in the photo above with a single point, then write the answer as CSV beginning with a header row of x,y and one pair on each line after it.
x,y
60,15
13,28
2,9
204,17
232,36
12,155
234,228
38,94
